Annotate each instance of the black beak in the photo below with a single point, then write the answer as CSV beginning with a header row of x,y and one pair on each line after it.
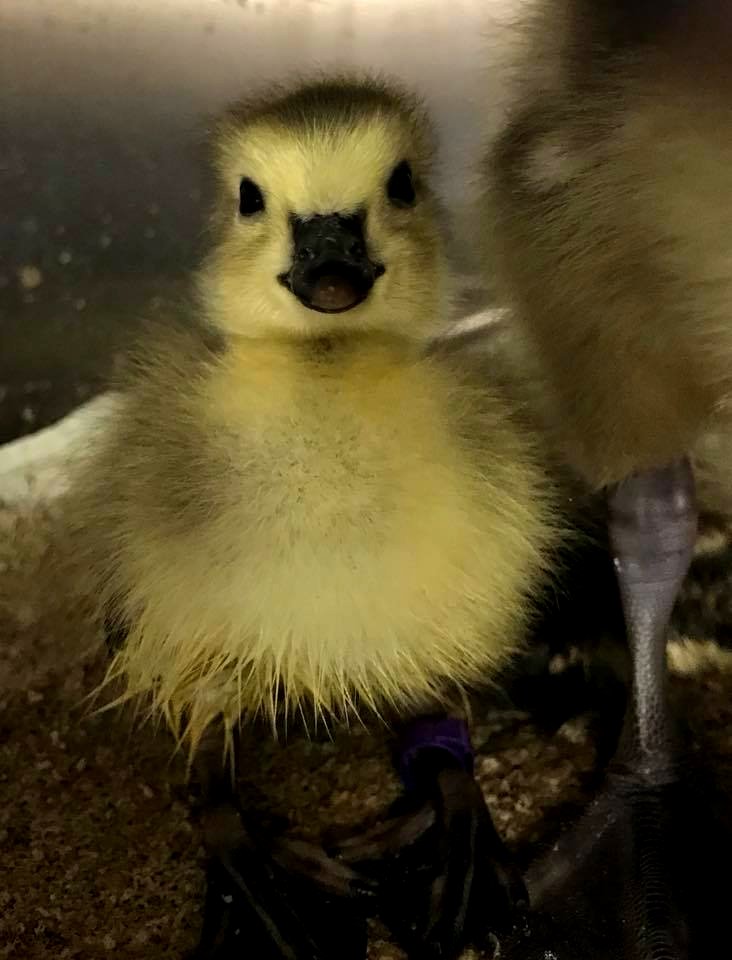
x,y
331,270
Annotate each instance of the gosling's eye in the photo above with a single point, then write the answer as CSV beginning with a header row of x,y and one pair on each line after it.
x,y
400,188
251,200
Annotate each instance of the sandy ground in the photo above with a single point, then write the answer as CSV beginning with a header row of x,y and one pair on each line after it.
x,y
100,851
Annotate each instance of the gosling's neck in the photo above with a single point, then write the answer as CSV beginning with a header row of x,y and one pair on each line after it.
x,y
329,347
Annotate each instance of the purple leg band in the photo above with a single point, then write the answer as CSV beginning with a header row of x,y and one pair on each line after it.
x,y
443,733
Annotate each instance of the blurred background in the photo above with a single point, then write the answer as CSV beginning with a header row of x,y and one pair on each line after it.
x,y
102,108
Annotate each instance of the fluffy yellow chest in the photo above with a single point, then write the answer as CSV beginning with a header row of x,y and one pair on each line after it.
x,y
360,548
347,462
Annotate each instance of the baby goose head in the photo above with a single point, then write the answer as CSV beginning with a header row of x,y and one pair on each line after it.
x,y
324,220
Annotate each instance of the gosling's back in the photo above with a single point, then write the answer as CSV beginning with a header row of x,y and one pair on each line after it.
x,y
607,221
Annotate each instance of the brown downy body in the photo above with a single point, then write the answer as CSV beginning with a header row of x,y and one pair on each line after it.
x,y
299,513
608,221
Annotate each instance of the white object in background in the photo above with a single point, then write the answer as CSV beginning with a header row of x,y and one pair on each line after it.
x,y
474,321
36,467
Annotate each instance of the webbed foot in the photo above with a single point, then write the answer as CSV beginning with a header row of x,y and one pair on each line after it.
x,y
278,899
447,880
641,876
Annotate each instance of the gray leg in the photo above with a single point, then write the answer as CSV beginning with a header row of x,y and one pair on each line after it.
x,y
653,525
625,880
